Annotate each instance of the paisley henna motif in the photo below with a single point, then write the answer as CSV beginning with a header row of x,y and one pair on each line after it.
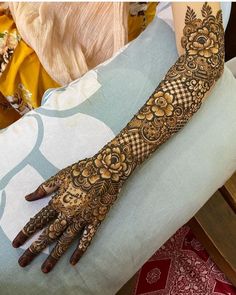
x,y
85,191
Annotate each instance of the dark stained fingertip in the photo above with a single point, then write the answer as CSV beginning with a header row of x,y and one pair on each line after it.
x,y
19,240
32,197
23,262
48,264
76,257
47,268
36,195
16,244
28,197
26,258
73,262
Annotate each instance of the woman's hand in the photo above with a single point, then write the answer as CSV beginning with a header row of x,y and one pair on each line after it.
x,y
84,193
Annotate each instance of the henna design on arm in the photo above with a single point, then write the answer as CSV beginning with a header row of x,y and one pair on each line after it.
x,y
85,191
184,87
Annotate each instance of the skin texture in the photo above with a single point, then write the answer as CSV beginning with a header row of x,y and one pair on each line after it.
x,y
85,191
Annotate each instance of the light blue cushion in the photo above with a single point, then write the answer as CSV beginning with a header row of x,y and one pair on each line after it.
x,y
162,195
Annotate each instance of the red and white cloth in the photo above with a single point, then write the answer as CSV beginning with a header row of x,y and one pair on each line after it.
x,y
182,267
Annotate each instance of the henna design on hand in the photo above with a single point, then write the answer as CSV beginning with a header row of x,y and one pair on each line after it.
x,y
85,191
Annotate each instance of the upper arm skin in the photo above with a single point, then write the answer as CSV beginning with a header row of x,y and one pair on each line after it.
x,y
200,42
179,12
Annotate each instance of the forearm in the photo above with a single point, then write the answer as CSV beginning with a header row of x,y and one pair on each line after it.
x,y
179,95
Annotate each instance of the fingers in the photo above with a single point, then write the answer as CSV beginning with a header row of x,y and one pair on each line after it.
x,y
26,258
84,242
46,188
39,193
62,245
42,218
49,186
50,234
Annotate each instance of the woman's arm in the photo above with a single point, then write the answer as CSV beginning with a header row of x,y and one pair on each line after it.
x,y
87,189
186,84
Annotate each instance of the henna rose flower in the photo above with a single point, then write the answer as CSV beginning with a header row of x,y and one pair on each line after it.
x,y
202,42
161,104
145,113
112,163
91,172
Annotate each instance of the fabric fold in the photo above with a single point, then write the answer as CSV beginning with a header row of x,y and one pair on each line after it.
x,y
71,38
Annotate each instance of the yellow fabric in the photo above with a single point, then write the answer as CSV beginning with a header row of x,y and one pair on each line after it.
x,y
24,80
7,113
136,24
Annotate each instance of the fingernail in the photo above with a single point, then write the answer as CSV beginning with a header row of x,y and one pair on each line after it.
x,y
49,264
47,268
23,261
19,240
76,256
16,244
73,262
26,258
30,197
27,197
36,195
75,259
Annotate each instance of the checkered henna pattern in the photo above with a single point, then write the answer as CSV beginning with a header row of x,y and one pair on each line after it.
x,y
85,191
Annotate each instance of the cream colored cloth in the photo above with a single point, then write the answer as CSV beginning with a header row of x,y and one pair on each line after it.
x,y
71,38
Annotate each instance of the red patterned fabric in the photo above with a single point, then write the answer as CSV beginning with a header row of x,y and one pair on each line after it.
x,y
182,267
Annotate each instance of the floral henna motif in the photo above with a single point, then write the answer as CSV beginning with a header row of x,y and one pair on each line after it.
x,y
161,104
85,191
114,163
201,37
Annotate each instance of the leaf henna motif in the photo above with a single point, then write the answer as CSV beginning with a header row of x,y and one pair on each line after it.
x,y
190,15
206,10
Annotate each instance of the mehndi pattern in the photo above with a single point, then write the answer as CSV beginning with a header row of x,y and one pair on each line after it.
x,y
85,191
